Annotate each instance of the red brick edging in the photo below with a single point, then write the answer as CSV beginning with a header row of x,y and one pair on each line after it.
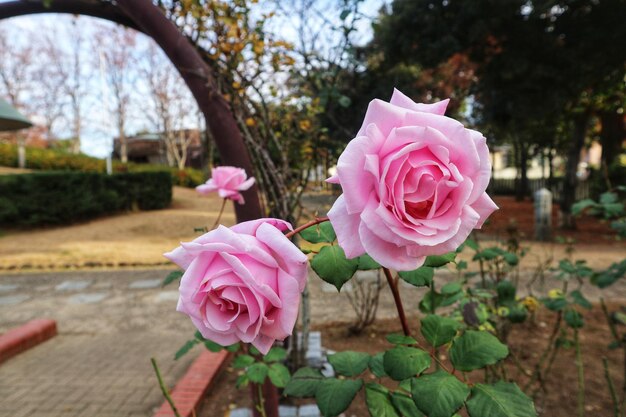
x,y
22,338
192,387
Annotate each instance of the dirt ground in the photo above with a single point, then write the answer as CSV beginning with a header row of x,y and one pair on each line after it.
x,y
527,342
131,239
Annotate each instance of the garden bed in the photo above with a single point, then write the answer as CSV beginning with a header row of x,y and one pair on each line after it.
x,y
527,341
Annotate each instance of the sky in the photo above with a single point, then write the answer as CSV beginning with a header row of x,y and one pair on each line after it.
x,y
99,126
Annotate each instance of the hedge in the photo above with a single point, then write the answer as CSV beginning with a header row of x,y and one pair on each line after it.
x,y
53,198
58,160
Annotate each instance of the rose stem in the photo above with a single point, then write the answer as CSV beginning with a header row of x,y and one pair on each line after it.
x,y
297,230
166,394
219,216
396,298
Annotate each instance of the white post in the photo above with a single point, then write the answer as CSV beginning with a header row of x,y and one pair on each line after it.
x,y
543,214
109,165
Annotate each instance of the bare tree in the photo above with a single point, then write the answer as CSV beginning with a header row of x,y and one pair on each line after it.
x,y
115,46
171,105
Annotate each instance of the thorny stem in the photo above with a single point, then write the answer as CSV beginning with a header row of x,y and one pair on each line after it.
x,y
313,222
609,381
164,390
219,216
393,285
261,405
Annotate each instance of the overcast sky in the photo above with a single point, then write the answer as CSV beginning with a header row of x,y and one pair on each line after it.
x,y
99,127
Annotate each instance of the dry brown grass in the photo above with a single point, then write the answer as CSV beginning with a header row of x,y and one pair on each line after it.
x,y
126,239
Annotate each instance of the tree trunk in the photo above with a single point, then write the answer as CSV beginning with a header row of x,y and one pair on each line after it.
x,y
521,191
571,168
611,136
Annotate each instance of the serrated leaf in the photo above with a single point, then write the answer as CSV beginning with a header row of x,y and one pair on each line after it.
x,y
279,375
171,277
573,318
506,291
233,348
511,258
242,381
212,346
404,362
580,299
333,267
439,394
420,277
378,401
376,365
400,339
501,399
184,349
366,263
438,330
475,350
321,233
276,354
451,288
349,363
257,372
431,297
333,396
405,405
303,383
437,261
243,361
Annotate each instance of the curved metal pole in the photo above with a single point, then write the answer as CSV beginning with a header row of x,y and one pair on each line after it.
x,y
144,16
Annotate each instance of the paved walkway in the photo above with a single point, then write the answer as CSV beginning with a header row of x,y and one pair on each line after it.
x,y
111,323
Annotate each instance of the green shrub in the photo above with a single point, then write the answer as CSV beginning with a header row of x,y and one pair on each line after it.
x,y
58,160
53,198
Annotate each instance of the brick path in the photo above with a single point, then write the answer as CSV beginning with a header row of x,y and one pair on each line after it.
x,y
99,364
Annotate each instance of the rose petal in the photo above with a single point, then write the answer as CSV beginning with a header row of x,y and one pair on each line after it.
x,y
346,227
401,100
291,259
385,253
484,206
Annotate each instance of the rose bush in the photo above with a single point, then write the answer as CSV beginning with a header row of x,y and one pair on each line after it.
x,y
228,182
413,184
242,283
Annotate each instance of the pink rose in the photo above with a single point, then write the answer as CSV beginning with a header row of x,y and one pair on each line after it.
x,y
413,184
242,283
228,182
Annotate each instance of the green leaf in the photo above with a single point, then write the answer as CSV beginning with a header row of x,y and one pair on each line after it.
x,y
276,354
243,361
400,339
184,349
403,362
475,350
582,205
555,304
344,14
332,266
349,363
242,381
451,288
609,198
426,305
487,254
472,244
439,394
440,260
501,399
405,405
510,258
171,277
321,233
233,348
366,263
257,372
506,292
439,330
573,318
212,346
378,401
376,365
580,299
333,396
421,277
279,375
303,383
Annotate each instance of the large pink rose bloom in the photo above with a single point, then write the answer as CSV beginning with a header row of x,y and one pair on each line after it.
x,y
228,182
413,184
242,283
